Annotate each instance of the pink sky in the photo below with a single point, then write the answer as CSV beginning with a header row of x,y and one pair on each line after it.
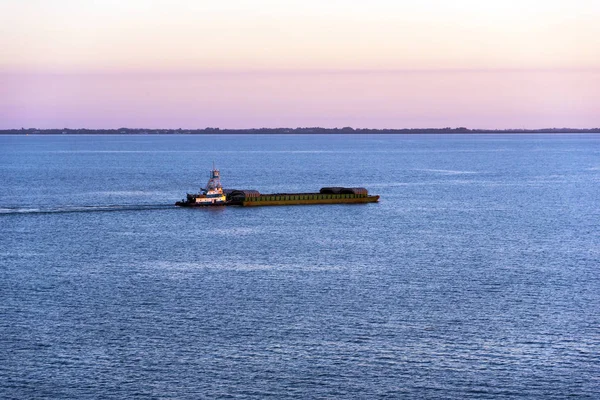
x,y
483,99
266,63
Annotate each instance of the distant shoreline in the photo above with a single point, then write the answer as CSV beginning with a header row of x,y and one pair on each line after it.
x,y
287,131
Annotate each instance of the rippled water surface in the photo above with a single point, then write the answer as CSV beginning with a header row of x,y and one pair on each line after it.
x,y
476,276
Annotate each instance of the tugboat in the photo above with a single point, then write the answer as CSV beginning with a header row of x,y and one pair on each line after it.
x,y
211,196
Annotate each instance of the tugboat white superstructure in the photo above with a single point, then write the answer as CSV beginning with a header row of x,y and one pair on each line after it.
x,y
212,195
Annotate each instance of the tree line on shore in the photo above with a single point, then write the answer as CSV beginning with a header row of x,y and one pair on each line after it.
x,y
260,131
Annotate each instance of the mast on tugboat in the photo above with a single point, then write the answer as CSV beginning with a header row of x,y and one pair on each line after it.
x,y
214,183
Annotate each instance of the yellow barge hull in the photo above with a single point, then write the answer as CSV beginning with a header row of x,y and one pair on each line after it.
x,y
306,200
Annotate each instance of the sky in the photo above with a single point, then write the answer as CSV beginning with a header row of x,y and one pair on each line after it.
x,y
266,63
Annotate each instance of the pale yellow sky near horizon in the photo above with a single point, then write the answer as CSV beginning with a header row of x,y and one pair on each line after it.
x,y
180,35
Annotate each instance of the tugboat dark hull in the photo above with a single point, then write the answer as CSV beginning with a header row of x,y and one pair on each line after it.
x,y
195,205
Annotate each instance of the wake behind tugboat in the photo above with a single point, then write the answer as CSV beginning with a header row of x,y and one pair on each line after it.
x,y
214,195
81,209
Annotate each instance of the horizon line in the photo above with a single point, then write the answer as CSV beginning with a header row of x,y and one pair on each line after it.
x,y
345,128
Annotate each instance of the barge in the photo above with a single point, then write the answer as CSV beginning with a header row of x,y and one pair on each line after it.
x,y
214,195
327,195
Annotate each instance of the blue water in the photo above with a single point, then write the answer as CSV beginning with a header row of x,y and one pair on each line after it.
x,y
476,276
